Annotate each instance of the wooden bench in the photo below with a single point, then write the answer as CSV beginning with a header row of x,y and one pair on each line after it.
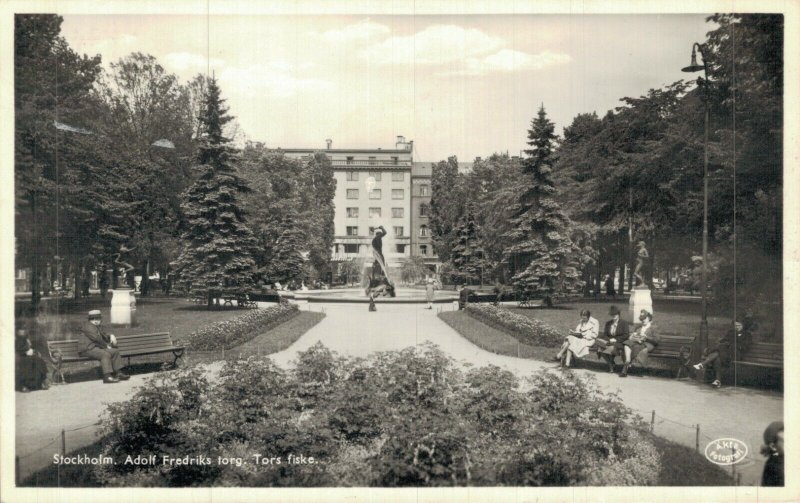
x,y
762,354
525,301
673,347
244,301
129,346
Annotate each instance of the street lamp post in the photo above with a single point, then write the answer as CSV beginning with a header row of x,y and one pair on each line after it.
x,y
704,85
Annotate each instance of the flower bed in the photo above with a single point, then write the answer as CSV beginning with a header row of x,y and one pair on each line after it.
x,y
524,329
231,333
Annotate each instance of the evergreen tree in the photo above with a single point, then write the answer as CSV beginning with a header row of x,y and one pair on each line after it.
x,y
218,249
287,262
539,240
467,255
447,205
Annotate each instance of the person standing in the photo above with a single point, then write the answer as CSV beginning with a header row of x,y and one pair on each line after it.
x,y
429,291
96,344
615,333
610,291
773,475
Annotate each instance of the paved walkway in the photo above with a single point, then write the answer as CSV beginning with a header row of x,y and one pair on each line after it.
x,y
350,329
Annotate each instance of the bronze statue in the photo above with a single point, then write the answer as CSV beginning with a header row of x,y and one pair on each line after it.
x,y
122,267
641,256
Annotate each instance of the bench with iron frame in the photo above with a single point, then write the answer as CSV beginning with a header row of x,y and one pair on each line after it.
x,y
672,347
62,352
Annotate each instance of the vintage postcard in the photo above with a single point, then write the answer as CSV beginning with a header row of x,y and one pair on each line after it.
x,y
402,251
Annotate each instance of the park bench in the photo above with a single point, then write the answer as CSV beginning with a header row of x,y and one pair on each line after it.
x,y
525,301
245,301
129,346
677,349
762,354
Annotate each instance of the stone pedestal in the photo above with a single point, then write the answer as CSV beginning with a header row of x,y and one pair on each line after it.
x,y
123,307
640,299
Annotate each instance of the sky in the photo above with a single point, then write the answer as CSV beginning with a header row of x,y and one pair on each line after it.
x,y
464,85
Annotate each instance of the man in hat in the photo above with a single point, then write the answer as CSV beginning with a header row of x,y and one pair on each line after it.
x,y
96,344
610,342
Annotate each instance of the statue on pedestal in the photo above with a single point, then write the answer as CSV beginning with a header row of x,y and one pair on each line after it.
x,y
641,257
122,268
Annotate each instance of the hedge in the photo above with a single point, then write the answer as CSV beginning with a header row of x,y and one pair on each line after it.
x,y
231,333
524,329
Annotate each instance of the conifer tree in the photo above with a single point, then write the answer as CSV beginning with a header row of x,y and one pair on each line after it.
x,y
467,255
539,240
287,262
218,247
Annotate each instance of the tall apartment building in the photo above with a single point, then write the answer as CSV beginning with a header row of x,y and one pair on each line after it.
x,y
377,187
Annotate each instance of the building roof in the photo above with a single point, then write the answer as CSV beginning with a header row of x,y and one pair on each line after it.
x,y
342,150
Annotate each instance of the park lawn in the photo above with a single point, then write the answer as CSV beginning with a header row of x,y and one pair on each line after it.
x,y
492,339
680,318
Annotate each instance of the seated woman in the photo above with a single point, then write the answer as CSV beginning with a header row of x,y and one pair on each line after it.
x,y
640,343
578,342
31,370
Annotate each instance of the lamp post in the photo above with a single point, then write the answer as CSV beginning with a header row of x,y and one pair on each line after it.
x,y
703,84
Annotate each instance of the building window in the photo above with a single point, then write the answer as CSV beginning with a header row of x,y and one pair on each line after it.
x,y
375,194
397,193
397,212
352,176
351,248
395,160
372,158
352,212
352,193
374,212
398,231
424,190
423,249
400,248
376,175
398,176
423,231
424,210
349,160
352,230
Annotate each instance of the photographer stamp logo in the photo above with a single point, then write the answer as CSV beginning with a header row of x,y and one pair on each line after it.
x,y
726,451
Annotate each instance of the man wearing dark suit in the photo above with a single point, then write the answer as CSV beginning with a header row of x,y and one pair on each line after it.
x,y
96,344
615,333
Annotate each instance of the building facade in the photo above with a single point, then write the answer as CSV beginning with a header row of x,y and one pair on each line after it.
x,y
377,187
421,244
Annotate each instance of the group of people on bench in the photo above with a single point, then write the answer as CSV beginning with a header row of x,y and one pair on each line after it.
x,y
616,340
94,342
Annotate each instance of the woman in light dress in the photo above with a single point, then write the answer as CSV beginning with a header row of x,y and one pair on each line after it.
x,y
429,289
578,342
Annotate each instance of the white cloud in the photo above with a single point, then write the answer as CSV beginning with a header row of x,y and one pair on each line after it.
x,y
507,60
361,31
182,61
435,45
258,79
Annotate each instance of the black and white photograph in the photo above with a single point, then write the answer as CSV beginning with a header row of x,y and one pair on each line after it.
x,y
412,251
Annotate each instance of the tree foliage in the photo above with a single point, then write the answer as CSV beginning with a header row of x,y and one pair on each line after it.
x,y
218,247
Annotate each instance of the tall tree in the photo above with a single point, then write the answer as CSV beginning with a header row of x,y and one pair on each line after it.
x,y
218,250
288,257
52,90
447,206
467,255
539,241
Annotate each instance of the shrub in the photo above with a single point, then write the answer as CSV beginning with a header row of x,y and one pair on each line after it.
x,y
398,418
527,330
231,333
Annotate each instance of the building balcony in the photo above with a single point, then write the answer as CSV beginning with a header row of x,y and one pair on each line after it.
x,y
359,163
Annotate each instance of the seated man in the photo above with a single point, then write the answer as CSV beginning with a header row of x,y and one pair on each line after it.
x,y
611,342
720,355
96,344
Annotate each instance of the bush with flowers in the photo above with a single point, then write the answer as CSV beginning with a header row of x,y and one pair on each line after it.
x,y
400,418
231,333
527,330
